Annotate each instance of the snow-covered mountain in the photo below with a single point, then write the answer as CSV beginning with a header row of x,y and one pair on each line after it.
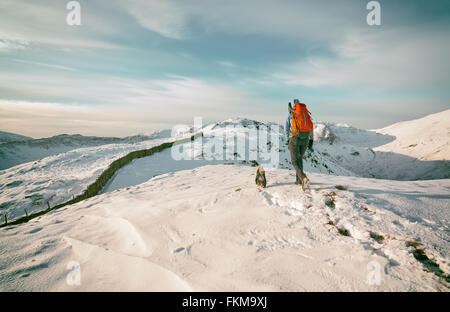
x,y
201,224
420,150
15,149
6,137
411,150
427,138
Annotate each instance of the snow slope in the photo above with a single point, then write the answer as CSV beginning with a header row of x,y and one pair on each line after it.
x,y
56,179
19,151
427,138
339,150
222,143
27,188
411,150
211,229
421,149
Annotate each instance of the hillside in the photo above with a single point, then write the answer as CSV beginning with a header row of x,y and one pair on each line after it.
x,y
6,137
427,138
211,229
339,150
19,151
200,223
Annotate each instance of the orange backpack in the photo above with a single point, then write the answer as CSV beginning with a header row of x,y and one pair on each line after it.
x,y
301,119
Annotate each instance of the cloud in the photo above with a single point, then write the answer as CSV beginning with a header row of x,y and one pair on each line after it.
x,y
378,61
44,64
161,16
118,107
44,22
295,20
11,45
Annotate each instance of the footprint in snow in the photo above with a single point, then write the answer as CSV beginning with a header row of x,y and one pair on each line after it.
x,y
35,230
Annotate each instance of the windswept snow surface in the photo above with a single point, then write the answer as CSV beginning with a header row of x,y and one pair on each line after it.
x,y
212,229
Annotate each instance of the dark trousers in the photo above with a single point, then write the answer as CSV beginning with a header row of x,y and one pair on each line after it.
x,y
297,148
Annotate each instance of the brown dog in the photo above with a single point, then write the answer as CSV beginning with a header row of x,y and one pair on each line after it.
x,y
260,179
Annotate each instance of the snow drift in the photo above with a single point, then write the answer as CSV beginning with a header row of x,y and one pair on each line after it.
x,y
211,229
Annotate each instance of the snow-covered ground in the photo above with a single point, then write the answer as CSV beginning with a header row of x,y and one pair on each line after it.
x,y
56,179
339,150
241,147
15,150
411,150
211,229
426,138
421,149
201,224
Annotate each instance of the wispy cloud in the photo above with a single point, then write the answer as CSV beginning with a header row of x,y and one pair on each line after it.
x,y
44,23
161,16
179,19
227,58
122,106
44,64
386,60
11,45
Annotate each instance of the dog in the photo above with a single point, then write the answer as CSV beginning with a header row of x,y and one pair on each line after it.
x,y
260,179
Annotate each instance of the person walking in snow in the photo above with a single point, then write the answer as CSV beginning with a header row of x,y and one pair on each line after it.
x,y
300,135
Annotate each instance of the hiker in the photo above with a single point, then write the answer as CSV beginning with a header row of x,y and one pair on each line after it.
x,y
300,135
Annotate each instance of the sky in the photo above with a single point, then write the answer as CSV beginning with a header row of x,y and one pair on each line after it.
x,y
135,66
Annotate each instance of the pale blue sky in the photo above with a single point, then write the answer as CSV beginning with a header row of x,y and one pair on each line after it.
x,y
135,66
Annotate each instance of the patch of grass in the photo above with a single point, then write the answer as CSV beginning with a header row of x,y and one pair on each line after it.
x,y
412,244
340,187
254,163
331,201
428,264
367,209
343,231
377,237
